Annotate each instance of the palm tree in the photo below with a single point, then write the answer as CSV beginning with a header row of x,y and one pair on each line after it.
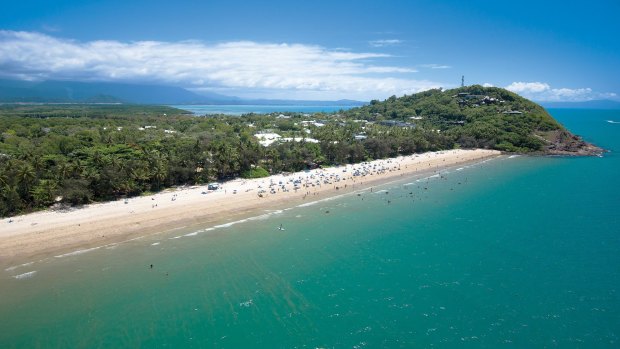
x,y
139,172
63,170
226,159
12,200
43,193
98,159
25,179
158,167
77,168
4,178
37,163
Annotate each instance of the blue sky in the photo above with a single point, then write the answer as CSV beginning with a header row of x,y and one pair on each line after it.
x,y
545,50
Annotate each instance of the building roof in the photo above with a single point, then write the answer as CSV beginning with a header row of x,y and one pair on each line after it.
x,y
299,139
266,139
395,123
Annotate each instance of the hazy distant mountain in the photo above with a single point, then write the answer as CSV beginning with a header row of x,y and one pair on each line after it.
x,y
108,92
601,104
92,92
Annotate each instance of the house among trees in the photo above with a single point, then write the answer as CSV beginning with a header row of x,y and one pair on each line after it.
x,y
266,139
396,123
299,139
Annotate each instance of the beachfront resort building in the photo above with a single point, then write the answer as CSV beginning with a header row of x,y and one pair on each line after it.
x,y
300,139
317,123
266,139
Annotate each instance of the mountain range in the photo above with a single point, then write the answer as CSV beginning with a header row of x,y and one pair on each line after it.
x,y
15,91
55,91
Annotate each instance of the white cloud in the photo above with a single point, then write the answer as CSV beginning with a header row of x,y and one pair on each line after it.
x,y
244,66
486,84
528,87
385,42
541,91
435,66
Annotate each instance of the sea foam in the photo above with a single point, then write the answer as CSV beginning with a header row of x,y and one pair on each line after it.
x,y
25,275
18,266
78,252
308,204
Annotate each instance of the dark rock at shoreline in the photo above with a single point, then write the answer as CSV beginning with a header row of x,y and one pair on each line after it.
x,y
564,143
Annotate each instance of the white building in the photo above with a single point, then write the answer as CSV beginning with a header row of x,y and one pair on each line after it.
x,y
299,139
266,139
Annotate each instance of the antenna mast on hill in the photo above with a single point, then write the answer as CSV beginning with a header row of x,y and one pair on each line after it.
x,y
463,81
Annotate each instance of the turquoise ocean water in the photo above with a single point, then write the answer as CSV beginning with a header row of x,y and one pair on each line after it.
x,y
258,109
514,252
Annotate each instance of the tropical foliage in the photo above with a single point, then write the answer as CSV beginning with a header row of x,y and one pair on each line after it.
x,y
76,154
472,116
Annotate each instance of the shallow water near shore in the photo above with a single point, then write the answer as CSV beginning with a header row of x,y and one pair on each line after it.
x,y
516,250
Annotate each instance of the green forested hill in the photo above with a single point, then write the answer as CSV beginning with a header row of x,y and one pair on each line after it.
x,y
476,116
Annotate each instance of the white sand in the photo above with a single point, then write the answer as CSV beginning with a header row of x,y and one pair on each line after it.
x,y
47,233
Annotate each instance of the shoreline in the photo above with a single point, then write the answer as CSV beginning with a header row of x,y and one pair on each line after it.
x,y
50,233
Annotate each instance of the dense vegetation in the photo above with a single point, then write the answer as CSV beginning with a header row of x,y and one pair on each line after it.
x,y
473,117
76,154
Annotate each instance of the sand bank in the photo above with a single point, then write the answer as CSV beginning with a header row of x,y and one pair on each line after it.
x,y
52,232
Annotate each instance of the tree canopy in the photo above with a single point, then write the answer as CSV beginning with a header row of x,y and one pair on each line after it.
x,y
76,154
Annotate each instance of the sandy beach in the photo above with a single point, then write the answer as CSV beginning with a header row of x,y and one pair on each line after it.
x,y
54,232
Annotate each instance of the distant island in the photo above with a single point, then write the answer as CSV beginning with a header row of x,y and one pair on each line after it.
x,y
71,154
